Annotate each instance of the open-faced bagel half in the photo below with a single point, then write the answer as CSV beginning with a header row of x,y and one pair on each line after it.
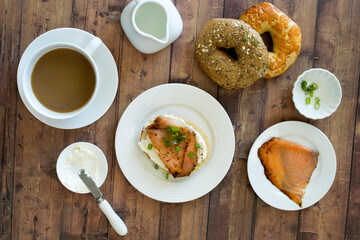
x,y
175,144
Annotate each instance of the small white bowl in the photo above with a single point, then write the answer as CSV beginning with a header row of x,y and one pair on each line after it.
x,y
68,173
329,93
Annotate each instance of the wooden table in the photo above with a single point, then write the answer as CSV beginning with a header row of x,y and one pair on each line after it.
x,y
34,204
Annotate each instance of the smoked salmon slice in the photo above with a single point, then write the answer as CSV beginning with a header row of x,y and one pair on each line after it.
x,y
177,153
288,166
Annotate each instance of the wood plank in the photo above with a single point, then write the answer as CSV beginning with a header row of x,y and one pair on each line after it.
x,y
189,220
279,107
138,72
353,218
10,16
35,212
77,214
336,47
82,217
232,202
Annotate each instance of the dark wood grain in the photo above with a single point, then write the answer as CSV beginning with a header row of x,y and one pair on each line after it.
x,y
10,16
328,216
34,204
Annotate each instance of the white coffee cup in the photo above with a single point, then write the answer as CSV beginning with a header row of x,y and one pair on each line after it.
x,y
29,95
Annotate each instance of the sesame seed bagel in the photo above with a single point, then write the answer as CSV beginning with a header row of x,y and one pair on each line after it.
x,y
285,34
251,57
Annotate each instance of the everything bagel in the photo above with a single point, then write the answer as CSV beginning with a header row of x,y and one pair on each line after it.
x,y
285,34
247,63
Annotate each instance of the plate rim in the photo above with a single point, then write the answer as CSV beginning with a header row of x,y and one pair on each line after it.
x,y
228,124
283,124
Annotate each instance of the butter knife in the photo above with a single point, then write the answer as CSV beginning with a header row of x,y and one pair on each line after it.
x,y
115,221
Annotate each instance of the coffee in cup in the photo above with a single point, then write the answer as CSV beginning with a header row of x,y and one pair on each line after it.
x,y
61,79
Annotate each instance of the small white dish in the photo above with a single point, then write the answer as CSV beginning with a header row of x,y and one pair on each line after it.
x,y
329,92
67,174
193,104
321,179
144,38
108,77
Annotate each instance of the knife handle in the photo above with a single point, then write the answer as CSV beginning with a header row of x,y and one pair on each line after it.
x,y
115,221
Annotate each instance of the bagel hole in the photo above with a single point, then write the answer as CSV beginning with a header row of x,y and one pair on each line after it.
x,y
230,52
267,39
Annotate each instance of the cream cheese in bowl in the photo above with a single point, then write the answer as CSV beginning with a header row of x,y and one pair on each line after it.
x,y
78,156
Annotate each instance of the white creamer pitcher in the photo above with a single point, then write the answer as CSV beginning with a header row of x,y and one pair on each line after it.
x,y
151,25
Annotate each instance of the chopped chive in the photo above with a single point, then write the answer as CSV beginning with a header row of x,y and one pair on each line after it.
x,y
317,100
307,101
150,146
315,86
197,146
167,176
169,129
166,142
268,65
256,42
156,167
311,93
175,129
178,148
245,37
317,106
175,134
191,154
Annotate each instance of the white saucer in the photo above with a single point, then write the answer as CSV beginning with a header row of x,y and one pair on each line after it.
x,y
198,107
107,73
321,179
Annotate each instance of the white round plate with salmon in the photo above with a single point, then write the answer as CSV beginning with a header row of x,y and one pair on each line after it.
x,y
187,102
291,165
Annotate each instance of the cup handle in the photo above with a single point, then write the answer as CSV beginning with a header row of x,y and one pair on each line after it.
x,y
93,45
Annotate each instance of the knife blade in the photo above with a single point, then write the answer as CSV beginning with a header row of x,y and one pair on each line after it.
x,y
90,184
114,219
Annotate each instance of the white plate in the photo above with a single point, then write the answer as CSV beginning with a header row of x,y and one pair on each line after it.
x,y
108,75
321,179
184,101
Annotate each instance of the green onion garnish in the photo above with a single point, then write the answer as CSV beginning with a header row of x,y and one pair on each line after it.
x,y
178,148
175,129
310,91
268,65
167,176
169,129
156,167
256,42
197,146
175,134
245,37
179,139
191,154
149,146
167,142
317,106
